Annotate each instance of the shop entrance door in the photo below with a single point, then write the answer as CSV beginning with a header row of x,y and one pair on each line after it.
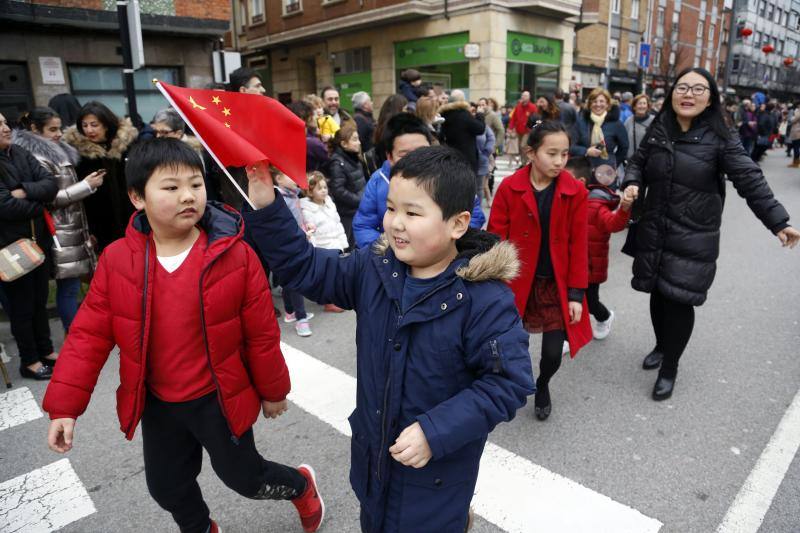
x,y
15,90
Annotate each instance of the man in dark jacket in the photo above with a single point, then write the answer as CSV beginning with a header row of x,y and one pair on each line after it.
x,y
365,122
567,113
460,128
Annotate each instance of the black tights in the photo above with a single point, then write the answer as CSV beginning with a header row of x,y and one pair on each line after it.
x,y
552,347
596,307
672,323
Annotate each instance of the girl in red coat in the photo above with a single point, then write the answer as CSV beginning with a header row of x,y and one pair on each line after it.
x,y
542,209
604,219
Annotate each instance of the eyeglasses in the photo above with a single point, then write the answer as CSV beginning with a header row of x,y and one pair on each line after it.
x,y
162,133
697,90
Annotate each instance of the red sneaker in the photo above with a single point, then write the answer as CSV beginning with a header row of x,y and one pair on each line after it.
x,y
309,505
215,528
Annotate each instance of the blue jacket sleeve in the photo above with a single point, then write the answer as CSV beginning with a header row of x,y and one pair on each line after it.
x,y
496,349
324,276
581,141
368,219
478,218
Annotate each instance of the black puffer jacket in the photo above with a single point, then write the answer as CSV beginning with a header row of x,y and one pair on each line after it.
x,y
346,181
20,170
678,234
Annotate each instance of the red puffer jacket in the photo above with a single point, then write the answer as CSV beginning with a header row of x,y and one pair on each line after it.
x,y
604,219
241,333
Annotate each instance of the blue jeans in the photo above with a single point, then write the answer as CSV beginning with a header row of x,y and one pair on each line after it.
x,y
67,300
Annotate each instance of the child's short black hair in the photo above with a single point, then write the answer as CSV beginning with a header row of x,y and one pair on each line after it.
x,y
404,124
151,154
444,174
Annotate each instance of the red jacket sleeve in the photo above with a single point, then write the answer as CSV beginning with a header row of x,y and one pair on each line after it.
x,y
578,275
499,219
262,336
609,221
85,351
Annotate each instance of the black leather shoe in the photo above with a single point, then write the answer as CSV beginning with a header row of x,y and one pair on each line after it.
x,y
543,413
42,374
542,404
652,360
663,388
48,362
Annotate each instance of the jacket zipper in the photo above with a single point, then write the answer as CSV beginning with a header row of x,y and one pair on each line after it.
x,y
497,366
142,334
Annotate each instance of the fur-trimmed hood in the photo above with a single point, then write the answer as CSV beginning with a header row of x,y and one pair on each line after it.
x,y
58,153
485,257
454,106
125,137
193,142
612,115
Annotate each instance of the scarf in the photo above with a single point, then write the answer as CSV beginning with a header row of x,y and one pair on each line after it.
x,y
597,130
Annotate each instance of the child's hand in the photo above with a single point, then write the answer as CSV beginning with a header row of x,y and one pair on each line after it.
x,y
411,447
274,409
575,312
627,200
59,435
260,188
633,190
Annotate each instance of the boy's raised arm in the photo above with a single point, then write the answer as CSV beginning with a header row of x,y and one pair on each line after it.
x,y
497,351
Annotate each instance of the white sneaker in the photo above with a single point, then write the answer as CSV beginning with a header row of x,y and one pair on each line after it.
x,y
3,355
602,329
303,328
290,317
565,349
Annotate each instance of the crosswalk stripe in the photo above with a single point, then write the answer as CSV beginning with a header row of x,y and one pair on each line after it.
x,y
43,500
513,493
18,407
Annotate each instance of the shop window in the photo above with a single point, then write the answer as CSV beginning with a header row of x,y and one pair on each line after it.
x,y
634,9
291,7
256,11
105,84
613,48
538,79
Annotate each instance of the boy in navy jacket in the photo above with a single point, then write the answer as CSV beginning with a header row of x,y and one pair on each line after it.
x,y
442,355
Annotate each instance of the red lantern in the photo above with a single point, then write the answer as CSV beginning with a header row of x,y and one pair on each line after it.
x,y
768,49
746,32
788,61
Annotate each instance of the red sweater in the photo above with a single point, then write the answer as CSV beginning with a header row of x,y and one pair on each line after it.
x,y
177,367
519,117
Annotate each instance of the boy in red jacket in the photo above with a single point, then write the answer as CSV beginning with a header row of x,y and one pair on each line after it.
x,y
607,214
187,302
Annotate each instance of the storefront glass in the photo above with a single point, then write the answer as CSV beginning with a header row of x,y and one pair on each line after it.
x,y
533,65
440,60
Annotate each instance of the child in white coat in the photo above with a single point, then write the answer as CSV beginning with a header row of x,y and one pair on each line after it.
x,y
322,220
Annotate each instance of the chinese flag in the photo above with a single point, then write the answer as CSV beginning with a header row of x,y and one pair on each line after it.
x,y
242,129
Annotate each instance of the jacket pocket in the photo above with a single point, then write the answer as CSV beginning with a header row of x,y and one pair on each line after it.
x,y
359,459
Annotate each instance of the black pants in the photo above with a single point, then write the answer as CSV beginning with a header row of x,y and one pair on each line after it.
x,y
552,352
672,323
27,298
293,302
174,435
596,307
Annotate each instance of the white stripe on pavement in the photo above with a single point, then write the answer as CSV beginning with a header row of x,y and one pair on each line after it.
x,y
755,497
512,493
44,500
17,407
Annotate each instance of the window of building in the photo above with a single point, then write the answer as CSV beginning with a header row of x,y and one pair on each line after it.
x,y
615,4
779,48
256,11
660,22
632,49
657,58
104,83
613,48
708,65
700,29
634,9
770,11
757,38
292,6
242,14
711,28
778,15
762,8
736,63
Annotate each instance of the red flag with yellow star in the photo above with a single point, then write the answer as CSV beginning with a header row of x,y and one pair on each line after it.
x,y
241,129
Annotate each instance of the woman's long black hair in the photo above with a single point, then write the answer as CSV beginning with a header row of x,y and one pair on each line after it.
x,y
713,115
103,114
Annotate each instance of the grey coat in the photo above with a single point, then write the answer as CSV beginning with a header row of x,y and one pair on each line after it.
x,y
76,257
636,132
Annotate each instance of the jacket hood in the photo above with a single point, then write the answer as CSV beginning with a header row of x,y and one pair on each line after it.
x,y
612,115
485,257
126,135
454,106
58,153
194,143
603,193
220,222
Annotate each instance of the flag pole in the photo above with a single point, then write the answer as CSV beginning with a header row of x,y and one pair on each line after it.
x,y
203,142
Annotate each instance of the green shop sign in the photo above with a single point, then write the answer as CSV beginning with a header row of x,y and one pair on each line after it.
x,y
532,49
431,51
350,84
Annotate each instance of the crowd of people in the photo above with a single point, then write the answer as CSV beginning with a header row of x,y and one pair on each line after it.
x,y
391,223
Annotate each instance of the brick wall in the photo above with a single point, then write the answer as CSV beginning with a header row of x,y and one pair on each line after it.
x,y
85,4
201,9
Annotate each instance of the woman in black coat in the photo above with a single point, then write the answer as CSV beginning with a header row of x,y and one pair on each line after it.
x,y
347,176
679,169
25,189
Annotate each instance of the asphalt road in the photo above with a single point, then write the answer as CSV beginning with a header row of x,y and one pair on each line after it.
x,y
682,461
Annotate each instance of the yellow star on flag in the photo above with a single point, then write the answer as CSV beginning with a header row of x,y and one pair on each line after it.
x,y
226,111
227,125
195,105
216,100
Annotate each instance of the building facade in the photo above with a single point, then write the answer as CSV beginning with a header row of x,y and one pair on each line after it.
x,y
48,47
681,34
774,23
491,48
